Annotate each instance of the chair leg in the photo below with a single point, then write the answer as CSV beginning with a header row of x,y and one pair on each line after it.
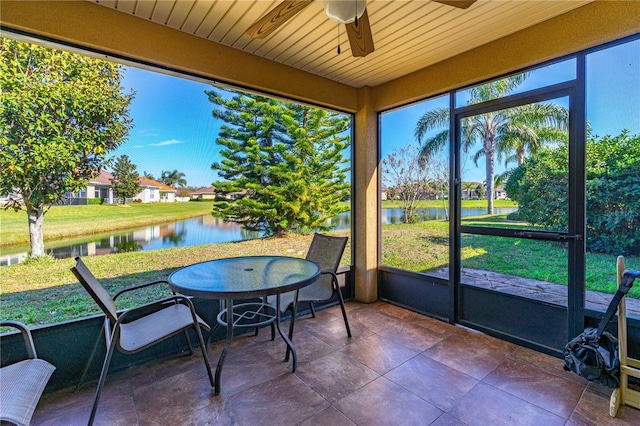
x,y
344,312
186,334
103,375
204,352
313,310
203,345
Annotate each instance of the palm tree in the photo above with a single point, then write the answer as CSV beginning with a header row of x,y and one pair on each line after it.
x,y
504,132
468,187
533,126
173,178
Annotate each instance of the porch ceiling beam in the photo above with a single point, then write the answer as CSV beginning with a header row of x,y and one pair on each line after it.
x,y
587,26
101,29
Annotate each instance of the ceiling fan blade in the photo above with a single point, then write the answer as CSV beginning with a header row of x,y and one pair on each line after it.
x,y
360,37
462,4
276,17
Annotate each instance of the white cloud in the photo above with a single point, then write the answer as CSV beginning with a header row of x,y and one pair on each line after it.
x,y
149,132
163,143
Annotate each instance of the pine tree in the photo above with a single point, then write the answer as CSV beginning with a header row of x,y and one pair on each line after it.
x,y
125,182
283,168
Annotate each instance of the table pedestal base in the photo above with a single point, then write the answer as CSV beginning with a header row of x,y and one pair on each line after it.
x,y
261,317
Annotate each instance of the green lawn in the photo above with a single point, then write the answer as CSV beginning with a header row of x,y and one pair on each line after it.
x,y
424,246
423,204
71,221
43,291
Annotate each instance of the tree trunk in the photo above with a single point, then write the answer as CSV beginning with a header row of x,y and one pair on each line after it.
x,y
490,172
445,207
36,219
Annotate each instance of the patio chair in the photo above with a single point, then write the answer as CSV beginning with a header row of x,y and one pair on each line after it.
x,y
23,382
326,251
141,327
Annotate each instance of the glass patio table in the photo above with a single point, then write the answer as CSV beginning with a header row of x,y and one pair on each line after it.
x,y
245,277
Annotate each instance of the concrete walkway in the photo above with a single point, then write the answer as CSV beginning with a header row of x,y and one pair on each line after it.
x,y
534,289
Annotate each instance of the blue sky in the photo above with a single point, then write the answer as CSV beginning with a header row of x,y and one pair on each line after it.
x,y
613,104
174,128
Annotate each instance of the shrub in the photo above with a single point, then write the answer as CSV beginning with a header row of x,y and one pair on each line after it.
x,y
539,186
515,216
613,195
95,200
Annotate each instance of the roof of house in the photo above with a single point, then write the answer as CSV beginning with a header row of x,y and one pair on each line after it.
x,y
104,178
207,190
145,182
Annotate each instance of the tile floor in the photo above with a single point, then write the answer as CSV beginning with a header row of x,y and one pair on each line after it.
x,y
400,368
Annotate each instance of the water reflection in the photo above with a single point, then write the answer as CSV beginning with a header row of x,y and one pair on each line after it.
x,y
182,233
190,232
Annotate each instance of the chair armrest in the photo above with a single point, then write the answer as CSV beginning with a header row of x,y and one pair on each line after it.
x,y
139,286
330,272
334,278
26,334
159,303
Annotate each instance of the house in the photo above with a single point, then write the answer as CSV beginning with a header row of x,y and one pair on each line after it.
x,y
208,193
154,191
470,191
100,186
499,193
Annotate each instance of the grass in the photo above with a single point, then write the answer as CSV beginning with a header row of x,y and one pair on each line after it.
x,y
43,291
72,221
424,247
471,204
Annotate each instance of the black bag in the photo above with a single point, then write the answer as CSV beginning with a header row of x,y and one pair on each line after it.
x,y
593,354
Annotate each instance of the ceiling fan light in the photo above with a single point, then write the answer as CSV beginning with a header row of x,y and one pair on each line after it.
x,y
344,11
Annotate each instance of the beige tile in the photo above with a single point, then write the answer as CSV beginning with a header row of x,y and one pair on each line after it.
x,y
485,405
412,336
543,389
593,410
283,400
335,376
471,354
328,417
432,381
383,402
477,379
378,353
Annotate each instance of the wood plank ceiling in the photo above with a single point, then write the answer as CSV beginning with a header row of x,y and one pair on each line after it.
x,y
408,34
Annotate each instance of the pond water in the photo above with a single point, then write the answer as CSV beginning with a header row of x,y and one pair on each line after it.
x,y
190,232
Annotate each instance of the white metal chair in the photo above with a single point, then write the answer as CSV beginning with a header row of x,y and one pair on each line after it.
x,y
23,382
141,327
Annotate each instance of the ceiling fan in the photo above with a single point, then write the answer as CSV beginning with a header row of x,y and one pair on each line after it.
x,y
352,13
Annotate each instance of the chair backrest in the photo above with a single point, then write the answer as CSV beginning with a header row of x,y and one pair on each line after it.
x,y
327,251
95,289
